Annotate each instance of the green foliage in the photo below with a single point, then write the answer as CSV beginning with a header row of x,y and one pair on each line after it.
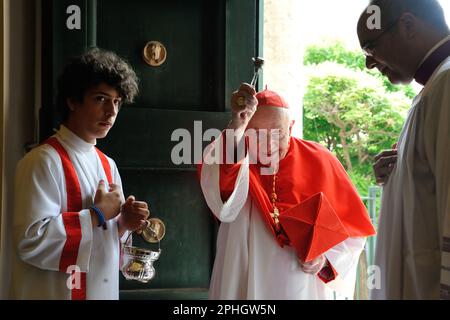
x,y
355,60
354,112
336,52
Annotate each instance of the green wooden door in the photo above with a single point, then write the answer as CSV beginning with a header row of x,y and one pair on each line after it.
x,y
209,48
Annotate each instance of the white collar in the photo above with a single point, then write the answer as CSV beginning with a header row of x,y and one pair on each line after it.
x,y
73,141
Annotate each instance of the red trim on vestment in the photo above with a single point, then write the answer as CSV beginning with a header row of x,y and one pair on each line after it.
x,y
71,219
105,164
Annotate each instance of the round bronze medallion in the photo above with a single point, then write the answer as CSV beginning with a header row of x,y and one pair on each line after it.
x,y
155,53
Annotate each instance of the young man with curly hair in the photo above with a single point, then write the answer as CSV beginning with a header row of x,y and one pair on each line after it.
x,y
70,213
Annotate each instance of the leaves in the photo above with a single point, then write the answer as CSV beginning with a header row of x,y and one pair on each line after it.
x,y
354,60
354,112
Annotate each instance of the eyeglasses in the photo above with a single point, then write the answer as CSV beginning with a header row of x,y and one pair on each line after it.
x,y
370,45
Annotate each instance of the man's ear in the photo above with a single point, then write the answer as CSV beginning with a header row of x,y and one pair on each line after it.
x,y
409,25
71,103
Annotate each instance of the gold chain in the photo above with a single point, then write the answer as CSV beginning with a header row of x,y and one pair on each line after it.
x,y
274,198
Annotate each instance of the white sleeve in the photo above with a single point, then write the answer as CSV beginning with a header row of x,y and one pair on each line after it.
x,y
39,223
209,180
344,258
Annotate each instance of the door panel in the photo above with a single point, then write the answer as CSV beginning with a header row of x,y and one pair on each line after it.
x,y
188,33
187,249
142,137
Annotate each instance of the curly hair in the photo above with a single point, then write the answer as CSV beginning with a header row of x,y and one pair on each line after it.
x,y
90,69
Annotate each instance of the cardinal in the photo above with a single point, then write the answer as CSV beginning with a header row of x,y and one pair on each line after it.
x,y
292,228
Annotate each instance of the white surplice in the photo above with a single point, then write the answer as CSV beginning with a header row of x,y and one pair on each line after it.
x,y
38,229
415,199
250,264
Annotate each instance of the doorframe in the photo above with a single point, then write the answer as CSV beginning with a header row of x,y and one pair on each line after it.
x,y
2,111
18,66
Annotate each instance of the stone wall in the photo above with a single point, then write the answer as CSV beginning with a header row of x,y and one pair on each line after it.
x,y
283,51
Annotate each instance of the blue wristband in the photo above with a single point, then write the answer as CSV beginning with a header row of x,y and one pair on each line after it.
x,y
101,217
